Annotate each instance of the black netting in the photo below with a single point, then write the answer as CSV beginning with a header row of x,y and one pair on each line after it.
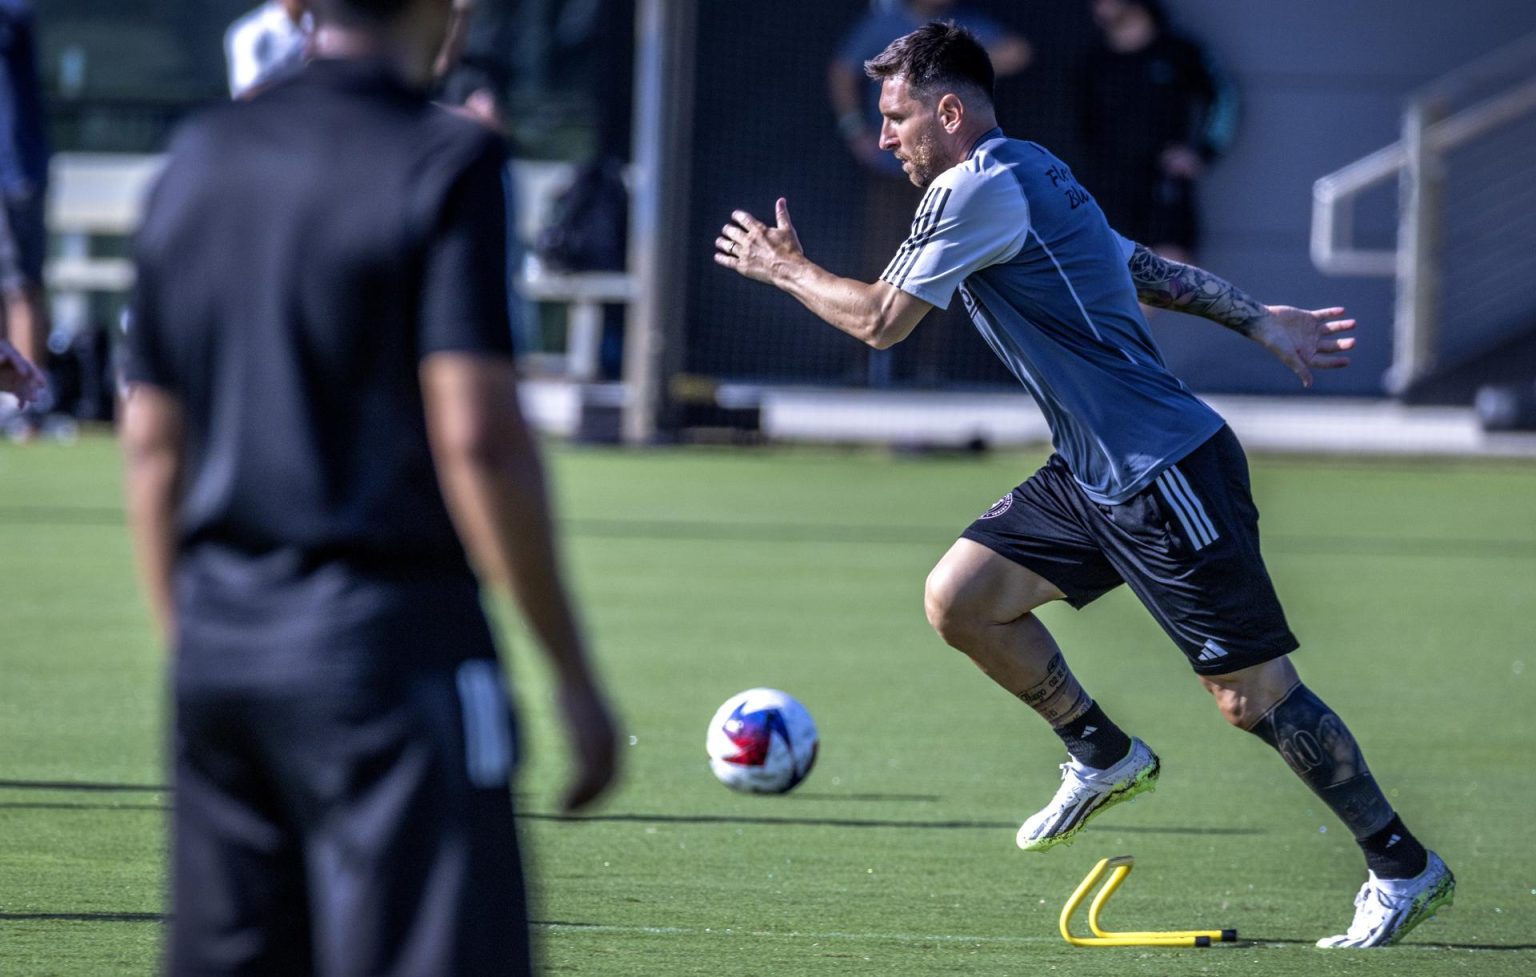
x,y
764,128
1487,255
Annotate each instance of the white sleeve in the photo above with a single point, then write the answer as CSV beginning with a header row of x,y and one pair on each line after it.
x,y
240,45
968,219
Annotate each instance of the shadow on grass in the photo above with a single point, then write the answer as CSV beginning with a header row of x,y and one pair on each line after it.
x,y
685,819
848,822
1245,944
788,820
86,917
1262,942
82,785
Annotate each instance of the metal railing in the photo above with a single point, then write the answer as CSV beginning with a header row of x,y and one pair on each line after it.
x,y
1450,129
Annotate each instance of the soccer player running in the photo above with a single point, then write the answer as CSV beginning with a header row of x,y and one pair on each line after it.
x,y
322,437
1147,487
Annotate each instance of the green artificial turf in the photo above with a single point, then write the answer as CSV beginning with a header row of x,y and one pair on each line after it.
x,y
703,572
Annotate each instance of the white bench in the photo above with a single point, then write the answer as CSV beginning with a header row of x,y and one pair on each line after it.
x,y
102,195
583,294
94,195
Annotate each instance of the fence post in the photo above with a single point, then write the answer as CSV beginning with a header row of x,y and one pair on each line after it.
x,y
1417,318
664,39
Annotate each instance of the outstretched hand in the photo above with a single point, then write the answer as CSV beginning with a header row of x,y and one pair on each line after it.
x,y
1305,341
594,744
19,376
752,248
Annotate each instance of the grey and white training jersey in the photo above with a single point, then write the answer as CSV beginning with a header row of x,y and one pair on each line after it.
x,y
1045,281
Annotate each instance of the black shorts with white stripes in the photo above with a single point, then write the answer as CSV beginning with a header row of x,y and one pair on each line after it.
x,y
1188,546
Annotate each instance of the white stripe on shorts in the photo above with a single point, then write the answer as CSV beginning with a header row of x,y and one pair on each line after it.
x,y
1194,500
487,725
1197,526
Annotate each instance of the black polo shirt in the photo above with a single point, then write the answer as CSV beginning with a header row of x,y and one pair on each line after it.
x,y
300,255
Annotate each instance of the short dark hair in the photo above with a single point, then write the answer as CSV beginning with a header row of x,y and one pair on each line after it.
x,y
355,11
940,54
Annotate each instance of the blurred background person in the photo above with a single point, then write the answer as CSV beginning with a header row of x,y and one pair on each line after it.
x,y
266,43
889,198
458,34
474,85
1154,112
24,152
18,376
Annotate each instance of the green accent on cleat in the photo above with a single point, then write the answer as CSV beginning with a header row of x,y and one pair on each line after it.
x,y
1385,912
1144,782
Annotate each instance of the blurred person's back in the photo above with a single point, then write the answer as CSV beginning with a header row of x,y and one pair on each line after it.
x,y
299,231
320,371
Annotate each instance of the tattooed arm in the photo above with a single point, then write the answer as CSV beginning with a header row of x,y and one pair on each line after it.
x,y
1303,340
1184,288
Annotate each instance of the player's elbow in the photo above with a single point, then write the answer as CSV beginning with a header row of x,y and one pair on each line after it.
x,y
478,443
884,330
473,420
877,329
151,430
889,315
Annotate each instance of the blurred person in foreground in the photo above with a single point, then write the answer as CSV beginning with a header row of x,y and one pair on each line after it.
x,y
24,157
887,196
1154,111
1148,486
266,44
322,436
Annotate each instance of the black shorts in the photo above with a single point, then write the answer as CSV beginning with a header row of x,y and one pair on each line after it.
x,y
1188,546
358,828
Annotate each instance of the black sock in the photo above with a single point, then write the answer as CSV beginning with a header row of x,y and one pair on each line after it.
x,y
1393,852
1094,740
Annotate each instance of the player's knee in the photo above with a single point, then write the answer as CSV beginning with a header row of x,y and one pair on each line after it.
x,y
1244,697
947,609
1234,706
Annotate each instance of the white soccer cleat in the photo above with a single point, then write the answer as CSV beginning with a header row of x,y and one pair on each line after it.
x,y
1386,909
1084,792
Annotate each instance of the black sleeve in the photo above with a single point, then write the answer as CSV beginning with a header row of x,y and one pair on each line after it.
x,y
464,298
144,360
148,352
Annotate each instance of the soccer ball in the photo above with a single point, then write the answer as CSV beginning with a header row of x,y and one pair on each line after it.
x,y
761,741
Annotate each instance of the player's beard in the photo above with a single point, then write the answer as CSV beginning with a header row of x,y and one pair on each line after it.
x,y
923,160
